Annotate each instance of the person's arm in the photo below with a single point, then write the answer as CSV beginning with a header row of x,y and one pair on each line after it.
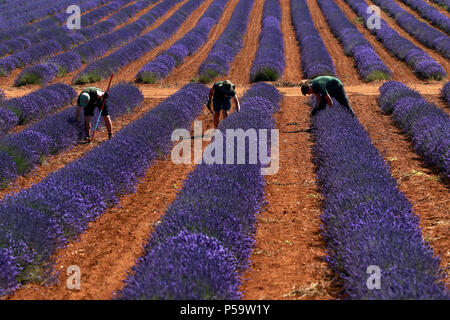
x,y
329,100
211,93
236,102
78,115
318,99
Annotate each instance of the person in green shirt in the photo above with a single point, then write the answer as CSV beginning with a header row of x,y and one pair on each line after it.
x,y
325,88
221,95
89,99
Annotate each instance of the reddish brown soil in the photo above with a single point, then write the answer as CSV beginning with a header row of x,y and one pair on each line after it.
x,y
429,196
418,17
188,70
435,55
240,67
287,262
112,244
293,70
129,72
344,64
400,70
58,161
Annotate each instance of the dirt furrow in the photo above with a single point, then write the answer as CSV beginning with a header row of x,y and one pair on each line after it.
x,y
429,196
400,70
417,15
129,72
344,64
393,24
112,244
287,262
9,81
55,162
239,72
189,68
293,71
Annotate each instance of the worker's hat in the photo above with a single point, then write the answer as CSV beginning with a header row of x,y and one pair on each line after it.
x,y
84,99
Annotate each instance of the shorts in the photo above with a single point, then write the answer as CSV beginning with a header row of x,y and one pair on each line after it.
x,y
89,110
221,105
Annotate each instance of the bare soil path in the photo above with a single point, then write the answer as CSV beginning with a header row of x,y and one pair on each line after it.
x,y
400,70
293,70
287,262
240,68
445,63
189,68
344,64
111,245
129,72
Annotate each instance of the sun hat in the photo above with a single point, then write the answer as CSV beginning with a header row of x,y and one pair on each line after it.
x,y
84,99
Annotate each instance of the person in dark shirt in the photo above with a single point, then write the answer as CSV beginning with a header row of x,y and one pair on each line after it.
x,y
221,95
89,99
325,88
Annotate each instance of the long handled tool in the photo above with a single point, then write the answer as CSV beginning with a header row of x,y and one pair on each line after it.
x,y
101,109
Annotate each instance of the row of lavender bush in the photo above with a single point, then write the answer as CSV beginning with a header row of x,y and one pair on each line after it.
x,y
269,61
163,64
36,221
424,66
368,63
36,105
72,60
426,124
425,34
315,58
443,3
56,32
367,220
22,151
55,40
431,14
104,67
445,92
204,241
228,44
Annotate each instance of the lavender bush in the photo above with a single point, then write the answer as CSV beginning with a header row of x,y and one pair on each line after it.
x,y
57,132
224,223
368,63
429,13
36,105
96,44
163,64
315,59
424,66
228,44
104,67
427,125
269,61
445,92
425,34
443,3
367,220
44,217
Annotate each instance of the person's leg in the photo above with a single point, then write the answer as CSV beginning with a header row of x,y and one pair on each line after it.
x,y
225,114
342,98
87,125
216,119
108,125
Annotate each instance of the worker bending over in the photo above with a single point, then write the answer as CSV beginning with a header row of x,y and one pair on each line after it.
x,y
89,99
221,95
325,88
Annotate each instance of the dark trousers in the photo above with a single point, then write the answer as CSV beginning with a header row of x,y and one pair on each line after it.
x,y
340,97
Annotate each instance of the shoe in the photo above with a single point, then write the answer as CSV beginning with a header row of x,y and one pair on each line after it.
x,y
87,140
110,135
